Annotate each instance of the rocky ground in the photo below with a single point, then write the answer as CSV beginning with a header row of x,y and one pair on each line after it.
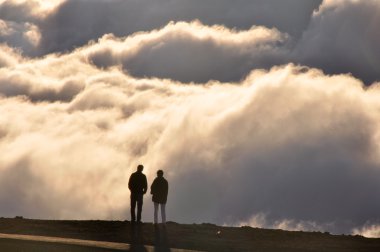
x,y
205,237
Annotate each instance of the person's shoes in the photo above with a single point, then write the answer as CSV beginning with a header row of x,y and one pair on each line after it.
x,y
140,222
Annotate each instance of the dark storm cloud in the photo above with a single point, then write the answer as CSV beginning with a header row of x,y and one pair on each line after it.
x,y
323,43
18,12
343,37
76,22
318,39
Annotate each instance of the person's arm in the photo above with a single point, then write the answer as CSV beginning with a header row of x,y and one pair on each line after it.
x,y
152,187
130,182
166,188
145,185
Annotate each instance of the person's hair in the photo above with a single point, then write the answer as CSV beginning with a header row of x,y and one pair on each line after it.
x,y
140,167
160,173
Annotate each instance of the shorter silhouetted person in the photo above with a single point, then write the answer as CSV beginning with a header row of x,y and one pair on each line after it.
x,y
138,186
159,190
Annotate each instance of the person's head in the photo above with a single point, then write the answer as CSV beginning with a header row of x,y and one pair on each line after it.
x,y
160,173
140,168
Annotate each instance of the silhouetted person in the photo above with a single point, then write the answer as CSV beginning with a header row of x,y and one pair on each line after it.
x,y
138,186
159,190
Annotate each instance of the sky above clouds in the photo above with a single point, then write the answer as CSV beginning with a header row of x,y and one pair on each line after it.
x,y
261,113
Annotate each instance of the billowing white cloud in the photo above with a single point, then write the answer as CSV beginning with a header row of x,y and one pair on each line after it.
x,y
192,52
8,56
260,220
293,143
28,10
60,21
20,23
256,140
25,36
95,18
316,39
370,231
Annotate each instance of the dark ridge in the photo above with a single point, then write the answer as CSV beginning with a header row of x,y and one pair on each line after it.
x,y
205,237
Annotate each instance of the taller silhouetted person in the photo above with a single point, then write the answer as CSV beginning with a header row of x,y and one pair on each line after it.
x,y
159,189
138,186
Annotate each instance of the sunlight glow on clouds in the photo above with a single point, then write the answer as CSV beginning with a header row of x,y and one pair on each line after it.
x,y
8,56
260,221
237,124
191,52
25,36
371,231
38,8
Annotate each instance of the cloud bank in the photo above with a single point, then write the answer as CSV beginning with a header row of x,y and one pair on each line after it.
x,y
245,136
337,36
191,52
95,18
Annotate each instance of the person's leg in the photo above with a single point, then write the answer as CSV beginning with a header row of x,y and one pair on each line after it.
x,y
139,206
133,207
155,213
163,213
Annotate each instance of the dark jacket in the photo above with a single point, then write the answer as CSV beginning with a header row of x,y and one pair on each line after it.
x,y
137,183
159,189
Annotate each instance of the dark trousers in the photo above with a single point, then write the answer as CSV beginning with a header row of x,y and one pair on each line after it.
x,y
136,198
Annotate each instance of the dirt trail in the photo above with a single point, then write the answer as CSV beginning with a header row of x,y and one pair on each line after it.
x,y
108,246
